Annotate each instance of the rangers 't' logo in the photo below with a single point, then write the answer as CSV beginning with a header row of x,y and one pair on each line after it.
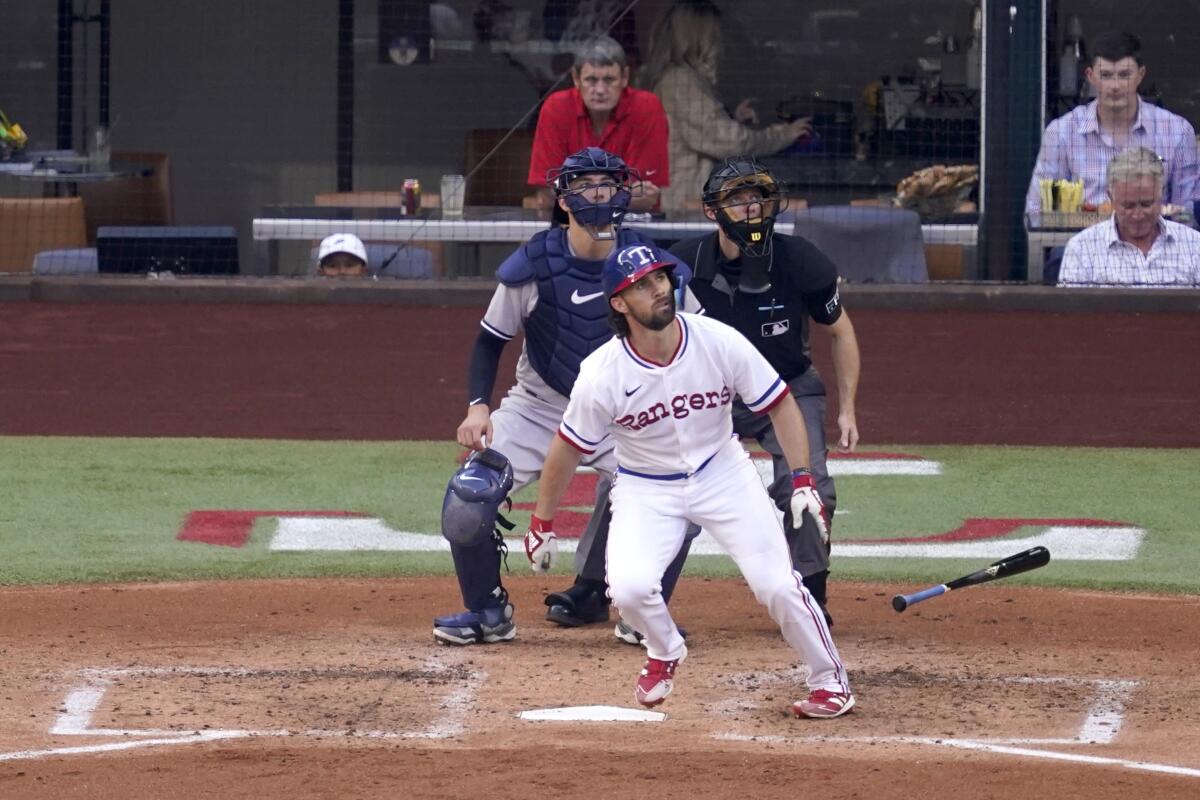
x,y
636,257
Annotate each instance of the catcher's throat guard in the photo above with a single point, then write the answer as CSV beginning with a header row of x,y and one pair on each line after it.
x,y
471,506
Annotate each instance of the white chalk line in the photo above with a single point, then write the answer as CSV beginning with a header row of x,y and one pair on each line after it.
x,y
970,744
1100,726
75,717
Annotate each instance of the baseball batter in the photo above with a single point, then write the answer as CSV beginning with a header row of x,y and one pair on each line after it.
x,y
551,288
662,390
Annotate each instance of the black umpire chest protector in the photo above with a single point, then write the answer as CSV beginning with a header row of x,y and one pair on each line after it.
x,y
774,320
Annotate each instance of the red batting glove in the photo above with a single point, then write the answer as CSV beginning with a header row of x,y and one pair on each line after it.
x,y
806,500
540,543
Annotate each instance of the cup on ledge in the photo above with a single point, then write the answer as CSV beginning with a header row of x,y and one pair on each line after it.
x,y
453,189
100,153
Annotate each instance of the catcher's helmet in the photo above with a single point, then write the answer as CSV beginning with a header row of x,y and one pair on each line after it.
x,y
752,235
588,161
627,265
473,498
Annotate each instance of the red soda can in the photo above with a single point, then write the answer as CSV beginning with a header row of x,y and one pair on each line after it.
x,y
411,192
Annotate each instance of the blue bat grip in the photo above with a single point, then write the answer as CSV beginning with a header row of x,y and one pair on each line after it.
x,y
925,594
903,601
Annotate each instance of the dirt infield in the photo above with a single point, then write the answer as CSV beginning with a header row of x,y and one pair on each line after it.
x,y
337,689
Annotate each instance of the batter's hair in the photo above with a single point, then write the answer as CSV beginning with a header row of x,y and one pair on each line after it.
x,y
1134,163
599,51
618,323
1116,45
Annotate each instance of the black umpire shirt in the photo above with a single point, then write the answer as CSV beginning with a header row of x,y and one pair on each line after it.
x,y
803,284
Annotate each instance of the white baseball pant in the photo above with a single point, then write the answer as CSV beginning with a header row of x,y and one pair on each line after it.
x,y
726,498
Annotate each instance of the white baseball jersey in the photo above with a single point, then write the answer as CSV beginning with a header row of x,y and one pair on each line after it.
x,y
669,419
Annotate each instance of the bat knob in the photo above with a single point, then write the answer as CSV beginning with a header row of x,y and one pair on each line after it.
x,y
899,603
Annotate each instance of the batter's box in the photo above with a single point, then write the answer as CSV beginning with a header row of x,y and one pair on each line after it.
x,y
906,702
426,701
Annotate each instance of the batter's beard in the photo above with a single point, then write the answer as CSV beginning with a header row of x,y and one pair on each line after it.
x,y
657,320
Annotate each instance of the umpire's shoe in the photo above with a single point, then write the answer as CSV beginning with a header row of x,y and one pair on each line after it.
x,y
582,604
488,625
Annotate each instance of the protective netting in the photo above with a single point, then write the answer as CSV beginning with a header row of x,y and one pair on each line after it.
x,y
906,131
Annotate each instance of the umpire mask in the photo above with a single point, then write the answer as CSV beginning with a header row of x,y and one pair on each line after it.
x,y
745,200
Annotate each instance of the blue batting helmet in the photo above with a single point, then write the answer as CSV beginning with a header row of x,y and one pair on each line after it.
x,y
627,265
473,498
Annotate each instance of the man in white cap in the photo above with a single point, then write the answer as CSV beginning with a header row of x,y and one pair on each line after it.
x,y
342,255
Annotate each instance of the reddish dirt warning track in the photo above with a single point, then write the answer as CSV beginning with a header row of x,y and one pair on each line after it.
x,y
352,698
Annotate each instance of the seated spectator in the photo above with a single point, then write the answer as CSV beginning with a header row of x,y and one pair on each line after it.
x,y
681,68
342,255
1136,246
602,110
1080,144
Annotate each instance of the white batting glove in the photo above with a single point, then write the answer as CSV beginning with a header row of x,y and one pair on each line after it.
x,y
805,500
541,544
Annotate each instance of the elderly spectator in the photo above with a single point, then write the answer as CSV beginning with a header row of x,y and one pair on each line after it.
x,y
1079,145
603,110
1136,247
681,68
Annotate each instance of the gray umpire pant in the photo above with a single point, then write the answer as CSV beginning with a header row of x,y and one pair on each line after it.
x,y
809,554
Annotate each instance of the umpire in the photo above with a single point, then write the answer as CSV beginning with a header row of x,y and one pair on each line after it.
x,y
770,286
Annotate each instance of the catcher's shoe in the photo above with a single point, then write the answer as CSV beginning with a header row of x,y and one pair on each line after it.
x,y
624,632
579,605
485,626
656,680
822,704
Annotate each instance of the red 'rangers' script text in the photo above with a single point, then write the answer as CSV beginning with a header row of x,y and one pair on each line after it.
x,y
681,406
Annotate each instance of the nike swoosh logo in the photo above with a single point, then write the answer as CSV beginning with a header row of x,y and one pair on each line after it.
x,y
580,299
629,392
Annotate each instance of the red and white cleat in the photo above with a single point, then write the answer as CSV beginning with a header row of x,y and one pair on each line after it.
x,y
656,680
823,704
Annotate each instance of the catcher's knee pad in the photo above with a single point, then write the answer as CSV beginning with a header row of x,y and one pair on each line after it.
x,y
473,497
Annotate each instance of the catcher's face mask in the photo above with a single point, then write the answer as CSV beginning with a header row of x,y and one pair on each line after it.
x,y
745,208
597,202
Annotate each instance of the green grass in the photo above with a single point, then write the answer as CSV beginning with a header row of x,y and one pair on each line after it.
x,y
81,510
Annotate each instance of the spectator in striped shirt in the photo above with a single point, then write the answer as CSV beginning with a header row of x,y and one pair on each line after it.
x,y
1136,246
1080,144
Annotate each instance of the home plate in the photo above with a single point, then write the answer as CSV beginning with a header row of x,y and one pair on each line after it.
x,y
592,714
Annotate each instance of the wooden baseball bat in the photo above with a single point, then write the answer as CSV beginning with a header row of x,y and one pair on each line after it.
x,y
1024,561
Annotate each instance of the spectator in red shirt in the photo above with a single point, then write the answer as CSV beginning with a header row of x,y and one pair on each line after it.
x,y
602,110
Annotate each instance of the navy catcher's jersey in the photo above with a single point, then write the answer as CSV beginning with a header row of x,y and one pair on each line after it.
x,y
803,285
568,316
